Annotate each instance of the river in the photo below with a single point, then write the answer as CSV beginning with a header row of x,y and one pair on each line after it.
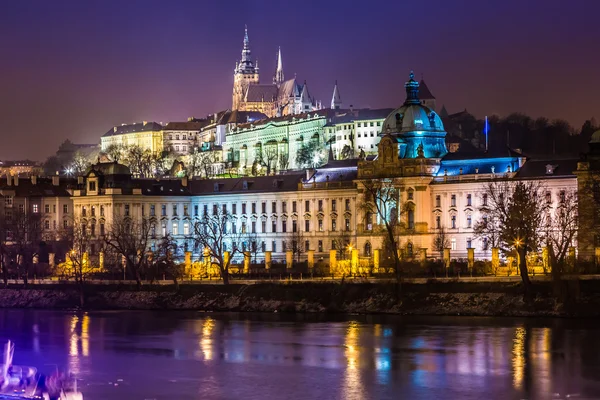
x,y
180,355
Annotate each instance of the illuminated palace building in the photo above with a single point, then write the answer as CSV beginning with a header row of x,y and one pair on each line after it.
x,y
320,208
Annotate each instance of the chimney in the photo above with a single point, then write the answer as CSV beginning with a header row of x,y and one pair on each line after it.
x,y
56,179
8,179
309,173
33,180
17,180
80,180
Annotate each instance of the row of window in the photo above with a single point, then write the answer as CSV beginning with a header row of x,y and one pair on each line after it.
x,y
183,137
453,225
372,134
284,226
35,208
224,208
438,200
366,124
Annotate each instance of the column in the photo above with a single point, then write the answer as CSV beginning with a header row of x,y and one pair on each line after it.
x,y
495,259
310,254
226,257
354,265
571,258
268,260
376,255
289,258
247,257
51,260
545,259
471,259
333,262
447,259
188,263
423,255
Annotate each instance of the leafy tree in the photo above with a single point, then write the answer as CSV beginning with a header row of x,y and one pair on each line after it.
x,y
518,210
311,155
346,153
80,164
139,161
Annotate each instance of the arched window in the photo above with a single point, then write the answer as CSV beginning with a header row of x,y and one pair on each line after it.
x,y
368,249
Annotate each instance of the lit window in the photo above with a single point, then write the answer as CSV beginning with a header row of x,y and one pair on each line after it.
x,y
453,244
186,228
175,228
36,208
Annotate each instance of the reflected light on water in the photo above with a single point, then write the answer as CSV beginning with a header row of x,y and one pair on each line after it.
x,y
73,348
518,357
206,342
85,336
352,382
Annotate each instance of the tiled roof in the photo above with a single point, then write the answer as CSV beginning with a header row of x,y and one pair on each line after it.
x,y
537,168
261,92
337,174
43,187
131,128
279,183
289,88
237,117
186,126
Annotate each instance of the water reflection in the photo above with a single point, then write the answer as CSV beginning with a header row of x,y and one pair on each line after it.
x,y
361,358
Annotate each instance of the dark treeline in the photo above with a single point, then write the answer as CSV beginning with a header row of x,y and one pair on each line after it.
x,y
540,136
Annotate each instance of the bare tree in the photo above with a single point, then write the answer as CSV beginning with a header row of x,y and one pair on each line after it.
x,y
23,238
441,241
270,156
215,234
284,160
518,210
381,199
114,152
560,230
77,264
298,243
165,259
131,240
139,161
80,164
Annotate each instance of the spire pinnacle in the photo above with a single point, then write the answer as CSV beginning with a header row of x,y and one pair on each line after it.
x,y
412,90
278,78
336,100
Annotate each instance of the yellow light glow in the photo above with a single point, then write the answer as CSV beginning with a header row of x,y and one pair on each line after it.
x,y
518,357
206,342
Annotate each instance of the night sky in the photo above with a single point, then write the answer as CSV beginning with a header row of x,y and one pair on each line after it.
x,y
73,69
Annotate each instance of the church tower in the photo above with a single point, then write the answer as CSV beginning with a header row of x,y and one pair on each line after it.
x,y
336,100
278,77
245,73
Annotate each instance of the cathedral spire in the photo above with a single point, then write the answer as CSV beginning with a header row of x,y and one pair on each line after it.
x,y
278,78
336,100
246,49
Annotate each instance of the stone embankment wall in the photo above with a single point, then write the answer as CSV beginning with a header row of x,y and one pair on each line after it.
x,y
579,298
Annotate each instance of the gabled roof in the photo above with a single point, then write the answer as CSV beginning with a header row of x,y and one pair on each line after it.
x,y
424,92
289,88
261,92
131,128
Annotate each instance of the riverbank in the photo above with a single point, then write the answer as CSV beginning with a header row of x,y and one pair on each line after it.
x,y
434,298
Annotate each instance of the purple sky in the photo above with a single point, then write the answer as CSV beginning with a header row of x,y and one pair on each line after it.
x,y
73,69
